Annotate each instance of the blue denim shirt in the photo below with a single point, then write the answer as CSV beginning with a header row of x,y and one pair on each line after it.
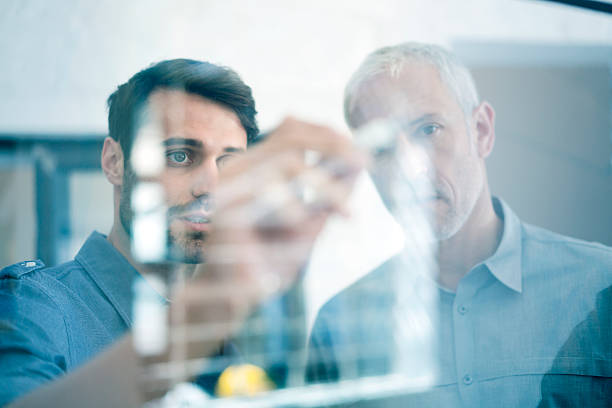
x,y
497,335
54,319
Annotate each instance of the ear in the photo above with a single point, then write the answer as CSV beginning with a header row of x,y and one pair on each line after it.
x,y
484,121
112,161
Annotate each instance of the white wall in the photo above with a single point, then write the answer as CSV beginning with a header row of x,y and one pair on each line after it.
x,y
61,59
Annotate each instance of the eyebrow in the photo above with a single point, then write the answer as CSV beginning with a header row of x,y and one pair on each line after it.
x,y
196,143
234,150
424,118
182,141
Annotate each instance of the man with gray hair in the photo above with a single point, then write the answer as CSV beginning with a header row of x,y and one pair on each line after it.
x,y
509,293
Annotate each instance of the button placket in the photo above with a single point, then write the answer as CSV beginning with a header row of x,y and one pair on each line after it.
x,y
467,379
463,323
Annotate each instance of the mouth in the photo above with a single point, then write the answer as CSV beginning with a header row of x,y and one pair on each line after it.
x,y
432,199
196,221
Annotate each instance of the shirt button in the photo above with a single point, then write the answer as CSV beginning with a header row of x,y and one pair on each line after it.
x,y
467,379
462,309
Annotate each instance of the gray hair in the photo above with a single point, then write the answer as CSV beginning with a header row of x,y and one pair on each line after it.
x,y
391,61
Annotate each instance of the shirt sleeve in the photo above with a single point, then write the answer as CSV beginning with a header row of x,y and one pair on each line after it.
x,y
581,375
33,338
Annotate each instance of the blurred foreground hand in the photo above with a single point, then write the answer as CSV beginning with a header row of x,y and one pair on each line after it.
x,y
271,204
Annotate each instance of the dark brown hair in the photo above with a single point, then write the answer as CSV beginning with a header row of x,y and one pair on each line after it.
x,y
213,82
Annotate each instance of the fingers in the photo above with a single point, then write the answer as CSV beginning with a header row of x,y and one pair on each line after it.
x,y
303,135
299,170
271,204
283,192
293,135
238,187
284,203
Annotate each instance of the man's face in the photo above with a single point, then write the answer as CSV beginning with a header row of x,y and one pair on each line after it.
x,y
427,118
197,137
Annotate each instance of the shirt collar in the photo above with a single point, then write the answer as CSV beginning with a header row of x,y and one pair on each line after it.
x,y
113,274
505,263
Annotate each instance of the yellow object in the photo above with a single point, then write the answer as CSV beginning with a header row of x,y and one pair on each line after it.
x,y
244,379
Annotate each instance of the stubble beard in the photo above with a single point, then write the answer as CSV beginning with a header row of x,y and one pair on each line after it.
x,y
447,224
186,247
182,247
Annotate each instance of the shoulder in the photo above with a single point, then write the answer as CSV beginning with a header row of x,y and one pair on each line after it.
x,y
357,319
569,271
20,269
33,282
33,325
374,283
23,280
31,305
566,249
36,295
36,270
373,289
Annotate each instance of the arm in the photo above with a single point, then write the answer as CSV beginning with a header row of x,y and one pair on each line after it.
x,y
109,380
33,340
260,241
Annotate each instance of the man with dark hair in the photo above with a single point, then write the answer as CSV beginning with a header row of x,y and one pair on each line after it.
x,y
129,106
173,128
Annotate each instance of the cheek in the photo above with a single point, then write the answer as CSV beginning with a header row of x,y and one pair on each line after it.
x,y
468,178
454,174
444,164
176,189
450,154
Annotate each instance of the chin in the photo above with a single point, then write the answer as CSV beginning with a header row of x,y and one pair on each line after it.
x,y
443,233
447,226
187,250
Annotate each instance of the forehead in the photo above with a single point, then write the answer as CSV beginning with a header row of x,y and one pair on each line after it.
x,y
416,91
187,115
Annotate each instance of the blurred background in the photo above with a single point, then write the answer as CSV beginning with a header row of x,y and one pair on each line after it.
x,y
545,67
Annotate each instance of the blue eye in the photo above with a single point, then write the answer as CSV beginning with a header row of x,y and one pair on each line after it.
x,y
178,158
429,129
223,160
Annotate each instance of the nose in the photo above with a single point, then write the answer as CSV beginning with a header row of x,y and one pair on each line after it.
x,y
205,179
414,159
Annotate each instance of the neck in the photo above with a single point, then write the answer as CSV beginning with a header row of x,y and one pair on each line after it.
x,y
476,241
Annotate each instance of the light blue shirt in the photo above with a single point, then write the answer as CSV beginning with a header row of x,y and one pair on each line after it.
x,y
499,333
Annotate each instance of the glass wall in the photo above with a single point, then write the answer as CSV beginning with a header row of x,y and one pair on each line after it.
x,y
434,230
